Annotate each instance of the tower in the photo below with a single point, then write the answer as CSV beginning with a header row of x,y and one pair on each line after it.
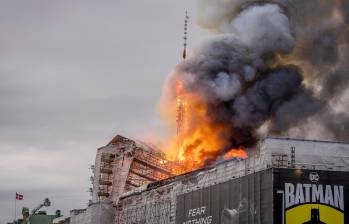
x,y
180,114
181,105
186,20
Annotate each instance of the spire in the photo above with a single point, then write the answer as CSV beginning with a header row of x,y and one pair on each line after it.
x,y
186,20
181,104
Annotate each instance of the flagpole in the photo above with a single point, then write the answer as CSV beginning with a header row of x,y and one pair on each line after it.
x,y
15,208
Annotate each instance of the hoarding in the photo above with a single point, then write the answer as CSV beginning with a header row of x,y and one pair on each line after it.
x,y
244,200
311,196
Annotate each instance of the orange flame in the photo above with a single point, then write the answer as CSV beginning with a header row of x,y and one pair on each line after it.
x,y
235,153
200,141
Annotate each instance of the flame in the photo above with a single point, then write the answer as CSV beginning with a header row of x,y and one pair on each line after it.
x,y
235,153
200,141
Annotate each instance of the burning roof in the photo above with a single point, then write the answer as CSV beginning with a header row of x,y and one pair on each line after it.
x,y
270,152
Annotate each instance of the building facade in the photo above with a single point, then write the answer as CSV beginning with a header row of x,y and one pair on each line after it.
x,y
121,166
283,181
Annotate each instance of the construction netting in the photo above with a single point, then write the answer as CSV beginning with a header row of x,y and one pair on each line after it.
x,y
156,212
98,213
245,200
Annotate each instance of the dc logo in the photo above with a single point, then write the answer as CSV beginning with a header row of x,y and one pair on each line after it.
x,y
314,177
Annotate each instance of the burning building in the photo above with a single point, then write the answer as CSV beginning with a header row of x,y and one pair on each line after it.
x,y
121,166
124,164
272,68
280,181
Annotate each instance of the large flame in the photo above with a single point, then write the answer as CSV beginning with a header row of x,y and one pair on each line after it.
x,y
200,141
235,153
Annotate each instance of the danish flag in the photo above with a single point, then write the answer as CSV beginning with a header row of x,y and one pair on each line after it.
x,y
19,196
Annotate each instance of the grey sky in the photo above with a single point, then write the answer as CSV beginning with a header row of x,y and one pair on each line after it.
x,y
73,74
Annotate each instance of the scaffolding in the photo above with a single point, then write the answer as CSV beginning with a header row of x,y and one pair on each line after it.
x,y
124,165
150,166
106,175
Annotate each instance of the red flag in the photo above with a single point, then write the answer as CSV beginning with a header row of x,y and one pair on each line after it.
x,y
19,196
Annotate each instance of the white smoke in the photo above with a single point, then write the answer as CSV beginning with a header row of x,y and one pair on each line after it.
x,y
226,86
264,29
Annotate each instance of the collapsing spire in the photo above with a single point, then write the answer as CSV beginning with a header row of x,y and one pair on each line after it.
x,y
180,115
186,19
180,101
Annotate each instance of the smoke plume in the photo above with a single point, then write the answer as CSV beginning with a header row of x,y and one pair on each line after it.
x,y
277,66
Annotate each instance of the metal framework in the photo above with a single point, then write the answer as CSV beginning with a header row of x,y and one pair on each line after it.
x,y
185,38
180,115
130,165
106,175
149,166
181,105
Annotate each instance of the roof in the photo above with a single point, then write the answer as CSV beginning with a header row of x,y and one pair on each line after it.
x,y
310,154
138,143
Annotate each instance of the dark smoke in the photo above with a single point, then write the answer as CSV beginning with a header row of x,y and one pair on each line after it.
x,y
280,65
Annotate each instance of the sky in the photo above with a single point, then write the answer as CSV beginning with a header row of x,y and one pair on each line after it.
x,y
72,75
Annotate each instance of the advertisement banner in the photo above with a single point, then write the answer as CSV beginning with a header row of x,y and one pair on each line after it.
x,y
311,197
243,200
